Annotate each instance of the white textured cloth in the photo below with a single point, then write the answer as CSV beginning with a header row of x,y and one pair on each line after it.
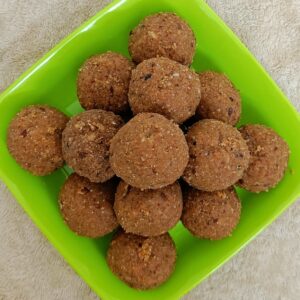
x,y
268,269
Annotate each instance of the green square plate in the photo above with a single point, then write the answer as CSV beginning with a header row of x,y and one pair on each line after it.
x,y
52,81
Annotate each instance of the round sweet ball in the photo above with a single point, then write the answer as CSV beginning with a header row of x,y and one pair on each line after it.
x,y
163,86
211,215
142,262
218,155
34,139
87,207
85,143
103,82
149,152
269,155
220,100
162,34
148,212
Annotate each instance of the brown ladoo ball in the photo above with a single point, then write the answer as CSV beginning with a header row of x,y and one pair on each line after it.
x,y
220,100
211,215
142,262
162,34
34,139
103,82
269,155
163,86
87,207
149,152
86,141
148,212
218,156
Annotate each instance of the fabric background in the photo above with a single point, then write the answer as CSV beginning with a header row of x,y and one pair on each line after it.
x,y
269,268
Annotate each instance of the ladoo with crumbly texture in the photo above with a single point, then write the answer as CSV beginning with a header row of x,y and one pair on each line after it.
x,y
148,212
103,82
34,139
149,152
163,86
269,155
162,34
87,207
86,141
218,155
211,215
220,100
142,262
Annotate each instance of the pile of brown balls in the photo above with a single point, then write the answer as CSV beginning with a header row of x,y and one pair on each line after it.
x,y
129,175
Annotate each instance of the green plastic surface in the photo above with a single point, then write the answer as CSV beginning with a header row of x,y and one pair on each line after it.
x,y
52,80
